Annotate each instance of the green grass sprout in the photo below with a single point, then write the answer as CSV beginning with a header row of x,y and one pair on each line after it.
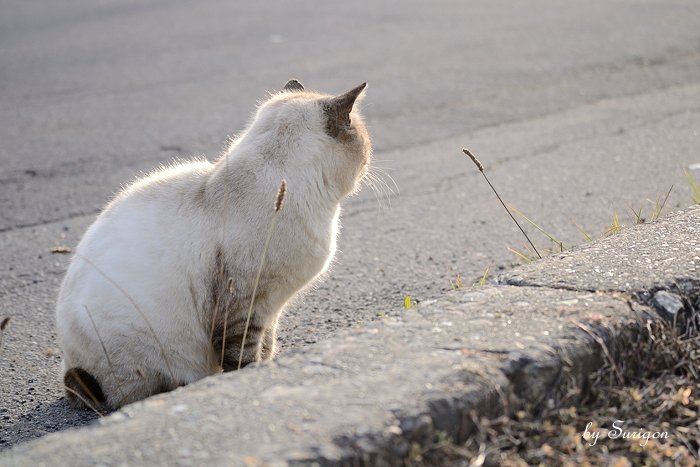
x,y
659,206
458,283
694,186
614,227
482,281
551,237
583,231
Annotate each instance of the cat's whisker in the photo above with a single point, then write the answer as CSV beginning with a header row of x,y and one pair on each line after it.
x,y
385,187
381,189
370,181
379,165
383,172
377,176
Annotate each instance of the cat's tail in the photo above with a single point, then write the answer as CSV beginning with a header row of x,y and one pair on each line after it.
x,y
82,389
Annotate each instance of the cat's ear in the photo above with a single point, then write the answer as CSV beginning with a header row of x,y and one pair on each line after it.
x,y
338,109
293,86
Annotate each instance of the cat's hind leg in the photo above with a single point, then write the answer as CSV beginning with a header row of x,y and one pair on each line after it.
x,y
82,389
110,391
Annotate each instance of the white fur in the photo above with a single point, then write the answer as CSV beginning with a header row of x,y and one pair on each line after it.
x,y
145,265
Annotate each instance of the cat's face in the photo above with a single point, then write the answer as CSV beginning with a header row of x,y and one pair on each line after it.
x,y
319,134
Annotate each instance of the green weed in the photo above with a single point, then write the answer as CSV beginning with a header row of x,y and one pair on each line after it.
x,y
694,186
558,243
615,226
458,283
485,276
586,235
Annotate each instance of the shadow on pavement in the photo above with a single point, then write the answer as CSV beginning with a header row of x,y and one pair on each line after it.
x,y
44,419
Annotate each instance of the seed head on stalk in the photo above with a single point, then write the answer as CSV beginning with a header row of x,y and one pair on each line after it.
x,y
480,166
279,203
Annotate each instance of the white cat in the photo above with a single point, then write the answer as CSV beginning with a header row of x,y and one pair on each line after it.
x,y
163,279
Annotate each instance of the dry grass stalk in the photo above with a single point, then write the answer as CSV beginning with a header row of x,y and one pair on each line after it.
x,y
281,193
136,307
223,341
223,336
656,213
104,349
552,238
215,315
86,402
279,202
3,325
480,166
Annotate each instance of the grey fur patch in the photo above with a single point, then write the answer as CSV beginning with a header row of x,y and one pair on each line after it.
x,y
338,110
229,314
293,86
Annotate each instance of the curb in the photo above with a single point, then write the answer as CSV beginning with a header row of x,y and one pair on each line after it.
x,y
367,396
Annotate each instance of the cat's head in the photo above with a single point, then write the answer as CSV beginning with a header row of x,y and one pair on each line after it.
x,y
317,138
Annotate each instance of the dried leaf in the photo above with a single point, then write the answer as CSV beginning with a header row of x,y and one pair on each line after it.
x,y
683,396
635,394
621,462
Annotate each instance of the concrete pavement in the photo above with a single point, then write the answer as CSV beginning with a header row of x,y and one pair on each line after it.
x,y
366,396
578,111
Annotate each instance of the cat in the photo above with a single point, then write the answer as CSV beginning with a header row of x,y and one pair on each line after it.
x,y
158,290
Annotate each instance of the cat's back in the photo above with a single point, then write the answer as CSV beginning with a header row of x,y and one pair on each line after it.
x,y
143,232
169,194
177,184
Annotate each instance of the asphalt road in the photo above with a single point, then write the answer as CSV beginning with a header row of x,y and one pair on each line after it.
x,y
578,111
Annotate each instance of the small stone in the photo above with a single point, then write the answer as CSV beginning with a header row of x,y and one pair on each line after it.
x,y
667,304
